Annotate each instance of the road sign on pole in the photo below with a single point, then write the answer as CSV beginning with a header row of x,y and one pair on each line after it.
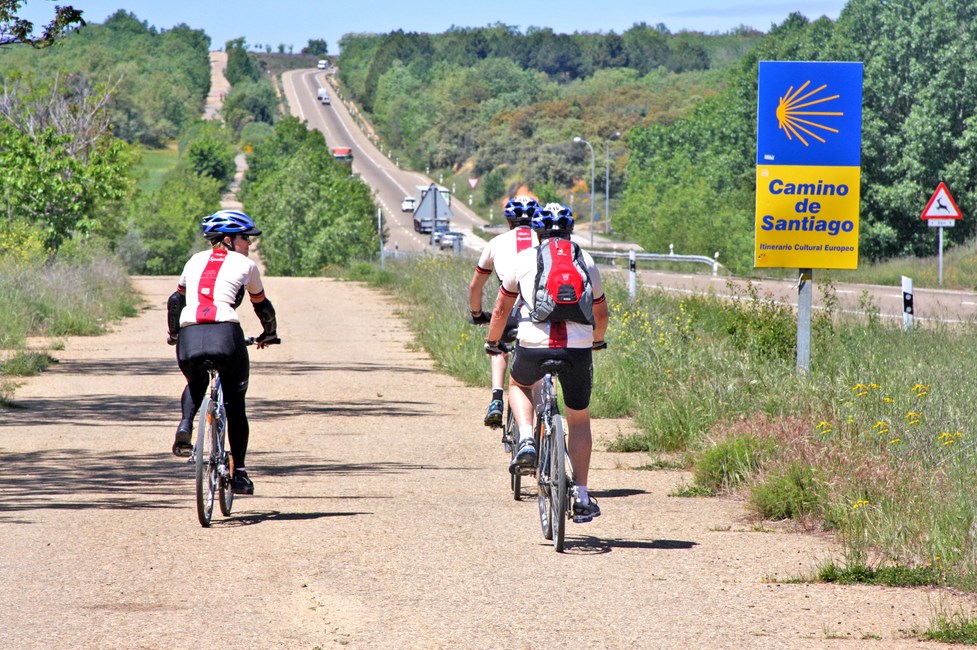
x,y
941,205
941,212
808,170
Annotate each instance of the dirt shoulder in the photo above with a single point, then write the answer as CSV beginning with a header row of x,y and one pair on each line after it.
x,y
381,519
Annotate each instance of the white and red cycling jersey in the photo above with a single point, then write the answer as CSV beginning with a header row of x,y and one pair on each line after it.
x,y
214,282
500,253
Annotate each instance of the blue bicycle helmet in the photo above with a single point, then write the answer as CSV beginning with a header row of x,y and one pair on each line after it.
x,y
519,210
553,220
228,222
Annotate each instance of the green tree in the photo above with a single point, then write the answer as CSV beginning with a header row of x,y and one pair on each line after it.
x,y
15,30
164,227
158,80
250,101
317,46
646,48
47,182
493,187
313,213
240,66
415,49
209,151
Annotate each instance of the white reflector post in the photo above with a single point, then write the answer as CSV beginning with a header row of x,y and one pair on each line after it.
x,y
907,304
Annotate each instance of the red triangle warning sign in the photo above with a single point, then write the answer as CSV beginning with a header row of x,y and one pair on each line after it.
x,y
941,205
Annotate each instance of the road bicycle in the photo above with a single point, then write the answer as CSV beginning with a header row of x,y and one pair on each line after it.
x,y
211,456
554,474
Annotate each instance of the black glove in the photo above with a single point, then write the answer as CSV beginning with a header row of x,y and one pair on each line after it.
x,y
599,345
174,305
268,338
266,315
171,339
495,348
479,317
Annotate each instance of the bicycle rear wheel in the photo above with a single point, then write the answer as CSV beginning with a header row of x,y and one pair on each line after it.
x,y
543,468
510,437
224,473
206,469
559,483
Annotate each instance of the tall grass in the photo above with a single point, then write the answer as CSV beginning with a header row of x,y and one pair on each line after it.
x,y
876,442
959,269
78,295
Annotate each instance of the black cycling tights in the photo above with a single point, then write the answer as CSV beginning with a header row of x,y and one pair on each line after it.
x,y
238,429
223,344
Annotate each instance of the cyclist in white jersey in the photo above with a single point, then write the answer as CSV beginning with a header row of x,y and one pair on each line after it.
x,y
568,341
204,326
500,254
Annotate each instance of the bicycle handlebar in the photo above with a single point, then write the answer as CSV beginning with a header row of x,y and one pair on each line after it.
x,y
251,340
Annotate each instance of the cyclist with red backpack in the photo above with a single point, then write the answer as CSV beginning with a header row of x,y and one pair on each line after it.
x,y
500,254
563,317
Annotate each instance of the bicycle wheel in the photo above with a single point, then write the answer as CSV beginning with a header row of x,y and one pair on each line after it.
x,y
510,437
224,470
559,483
206,469
544,479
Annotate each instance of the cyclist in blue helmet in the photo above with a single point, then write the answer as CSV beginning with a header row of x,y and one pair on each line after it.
x,y
569,341
203,324
500,255
552,220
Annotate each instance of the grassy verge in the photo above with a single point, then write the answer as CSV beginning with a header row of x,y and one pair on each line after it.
x,y
959,270
71,297
153,166
877,443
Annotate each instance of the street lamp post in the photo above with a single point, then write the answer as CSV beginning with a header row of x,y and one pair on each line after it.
x,y
592,160
607,180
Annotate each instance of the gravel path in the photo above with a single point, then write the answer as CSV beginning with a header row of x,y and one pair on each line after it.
x,y
381,519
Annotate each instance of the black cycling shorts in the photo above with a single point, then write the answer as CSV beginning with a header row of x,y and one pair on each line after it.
x,y
576,382
220,343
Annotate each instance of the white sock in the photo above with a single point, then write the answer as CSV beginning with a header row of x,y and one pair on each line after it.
x,y
582,494
525,431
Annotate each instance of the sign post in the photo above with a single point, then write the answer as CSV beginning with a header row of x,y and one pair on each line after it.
x,y
941,212
808,175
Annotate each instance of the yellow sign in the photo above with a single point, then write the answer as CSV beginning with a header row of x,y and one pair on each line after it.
x,y
807,217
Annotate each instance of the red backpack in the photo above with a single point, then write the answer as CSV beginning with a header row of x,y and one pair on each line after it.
x,y
562,291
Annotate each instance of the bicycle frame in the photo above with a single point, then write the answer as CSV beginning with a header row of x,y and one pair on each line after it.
x,y
210,456
555,482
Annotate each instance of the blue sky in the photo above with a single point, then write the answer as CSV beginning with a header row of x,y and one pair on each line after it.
x,y
295,22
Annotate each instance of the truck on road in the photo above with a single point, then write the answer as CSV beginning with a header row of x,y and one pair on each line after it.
x,y
433,211
343,154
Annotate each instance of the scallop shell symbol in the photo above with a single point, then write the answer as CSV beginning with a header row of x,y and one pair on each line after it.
x,y
791,116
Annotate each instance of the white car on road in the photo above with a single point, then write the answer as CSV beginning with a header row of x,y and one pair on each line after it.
x,y
408,204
